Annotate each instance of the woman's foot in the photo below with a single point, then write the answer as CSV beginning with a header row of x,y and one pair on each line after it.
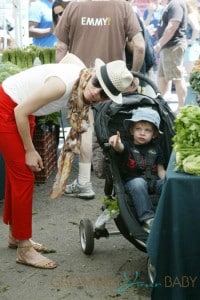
x,y
13,244
27,255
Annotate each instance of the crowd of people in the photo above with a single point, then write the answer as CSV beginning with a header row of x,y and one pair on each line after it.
x,y
90,38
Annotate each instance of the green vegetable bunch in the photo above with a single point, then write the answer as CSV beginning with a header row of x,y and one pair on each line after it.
x,y
195,77
186,141
7,69
191,164
52,118
112,206
24,57
195,81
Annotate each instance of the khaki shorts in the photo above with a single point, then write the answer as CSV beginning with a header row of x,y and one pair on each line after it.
x,y
171,62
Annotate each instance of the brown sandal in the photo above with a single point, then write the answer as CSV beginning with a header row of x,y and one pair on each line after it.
x,y
13,244
43,263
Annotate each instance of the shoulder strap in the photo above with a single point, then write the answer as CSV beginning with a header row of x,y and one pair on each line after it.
x,y
137,156
150,158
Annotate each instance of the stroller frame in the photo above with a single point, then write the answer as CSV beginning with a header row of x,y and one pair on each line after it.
x,y
106,118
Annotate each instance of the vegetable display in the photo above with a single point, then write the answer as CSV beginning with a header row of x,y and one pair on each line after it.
x,y
24,57
15,60
195,77
186,142
7,69
191,164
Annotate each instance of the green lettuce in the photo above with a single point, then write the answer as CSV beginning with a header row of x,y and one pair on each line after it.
x,y
186,141
191,164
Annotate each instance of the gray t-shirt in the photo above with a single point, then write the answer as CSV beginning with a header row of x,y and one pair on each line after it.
x,y
177,11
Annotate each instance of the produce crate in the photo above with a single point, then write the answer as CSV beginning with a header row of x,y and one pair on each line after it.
x,y
45,143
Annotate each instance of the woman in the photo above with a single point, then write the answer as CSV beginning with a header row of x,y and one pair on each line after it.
x,y
38,91
57,10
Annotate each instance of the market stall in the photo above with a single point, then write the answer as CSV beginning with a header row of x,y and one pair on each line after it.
x,y
173,243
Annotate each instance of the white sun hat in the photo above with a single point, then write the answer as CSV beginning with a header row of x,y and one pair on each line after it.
x,y
114,78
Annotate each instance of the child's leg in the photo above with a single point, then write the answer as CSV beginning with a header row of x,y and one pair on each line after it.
x,y
137,188
159,185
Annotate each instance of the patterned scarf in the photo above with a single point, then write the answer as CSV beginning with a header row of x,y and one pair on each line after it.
x,y
79,121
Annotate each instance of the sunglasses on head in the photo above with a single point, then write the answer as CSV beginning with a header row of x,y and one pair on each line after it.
x,y
96,83
59,14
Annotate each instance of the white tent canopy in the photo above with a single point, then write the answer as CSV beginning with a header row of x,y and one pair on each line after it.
x,y
20,13
15,12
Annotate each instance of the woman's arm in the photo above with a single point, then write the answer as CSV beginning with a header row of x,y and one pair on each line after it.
x,y
52,90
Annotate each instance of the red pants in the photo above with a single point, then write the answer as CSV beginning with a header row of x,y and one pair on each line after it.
x,y
19,181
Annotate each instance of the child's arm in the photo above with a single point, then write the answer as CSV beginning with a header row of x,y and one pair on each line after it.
x,y
161,171
116,143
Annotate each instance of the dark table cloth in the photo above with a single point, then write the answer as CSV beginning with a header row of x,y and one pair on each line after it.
x,y
174,242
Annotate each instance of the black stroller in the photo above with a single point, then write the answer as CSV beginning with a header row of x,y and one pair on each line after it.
x,y
109,118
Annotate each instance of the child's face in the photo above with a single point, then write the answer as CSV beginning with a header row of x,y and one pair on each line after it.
x,y
143,132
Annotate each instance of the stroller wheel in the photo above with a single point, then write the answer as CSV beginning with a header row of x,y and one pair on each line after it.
x,y
86,234
151,270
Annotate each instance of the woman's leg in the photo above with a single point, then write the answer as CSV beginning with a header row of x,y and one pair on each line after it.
x,y
19,187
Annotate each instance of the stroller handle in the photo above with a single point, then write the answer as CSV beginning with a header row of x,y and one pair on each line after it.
x,y
147,80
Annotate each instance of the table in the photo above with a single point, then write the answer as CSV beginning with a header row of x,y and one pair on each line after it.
x,y
173,245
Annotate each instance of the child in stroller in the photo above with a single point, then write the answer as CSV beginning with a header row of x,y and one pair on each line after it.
x,y
109,118
142,162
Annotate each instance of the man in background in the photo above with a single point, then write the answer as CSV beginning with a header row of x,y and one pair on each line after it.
x,y
41,23
172,45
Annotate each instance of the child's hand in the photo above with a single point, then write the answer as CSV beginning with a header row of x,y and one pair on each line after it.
x,y
115,140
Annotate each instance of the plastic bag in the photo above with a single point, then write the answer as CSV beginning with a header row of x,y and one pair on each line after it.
x,y
104,218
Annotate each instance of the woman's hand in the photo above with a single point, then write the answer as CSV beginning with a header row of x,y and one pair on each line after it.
x,y
34,161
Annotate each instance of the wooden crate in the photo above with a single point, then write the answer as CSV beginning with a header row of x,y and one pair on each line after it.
x,y
45,143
